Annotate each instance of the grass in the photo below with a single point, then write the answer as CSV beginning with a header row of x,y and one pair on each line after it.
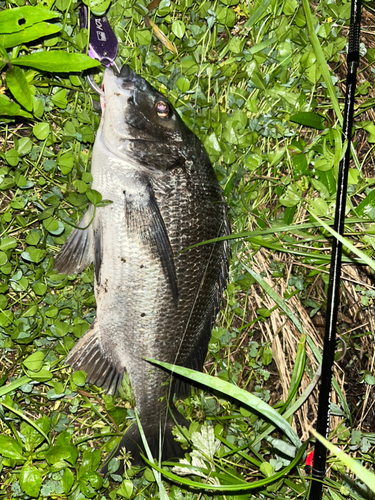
x,y
262,84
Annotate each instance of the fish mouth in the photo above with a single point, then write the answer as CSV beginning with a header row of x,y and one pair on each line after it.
x,y
126,76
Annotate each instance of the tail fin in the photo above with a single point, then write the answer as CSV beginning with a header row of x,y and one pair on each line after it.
x,y
155,435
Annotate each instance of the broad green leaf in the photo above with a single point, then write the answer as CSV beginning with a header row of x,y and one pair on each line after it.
x,y
4,58
30,311
12,157
20,285
3,301
101,8
225,16
36,433
10,448
323,164
19,87
67,480
80,186
266,469
59,229
183,84
144,36
33,238
65,162
28,34
41,130
3,258
30,480
79,378
367,206
57,61
319,206
59,99
94,196
126,489
292,196
14,20
90,461
87,134
90,482
7,107
11,108
309,119
34,362
24,146
33,255
38,107
6,317
39,288
50,224
51,312
178,28
40,376
353,176
212,146
67,452
62,329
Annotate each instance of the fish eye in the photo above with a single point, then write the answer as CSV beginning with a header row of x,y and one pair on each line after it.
x,y
162,110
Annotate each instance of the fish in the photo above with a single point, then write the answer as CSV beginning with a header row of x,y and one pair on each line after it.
x,y
156,297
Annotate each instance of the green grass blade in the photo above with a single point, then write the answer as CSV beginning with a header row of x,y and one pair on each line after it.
x,y
312,256
232,487
162,492
364,475
236,393
280,302
323,66
346,242
14,385
26,419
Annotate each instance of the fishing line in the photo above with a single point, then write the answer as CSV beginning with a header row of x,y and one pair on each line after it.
x,y
323,421
187,325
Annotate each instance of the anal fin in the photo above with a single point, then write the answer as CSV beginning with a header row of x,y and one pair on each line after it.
x,y
77,253
88,355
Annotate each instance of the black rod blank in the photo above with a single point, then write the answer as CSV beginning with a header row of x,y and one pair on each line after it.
x,y
323,421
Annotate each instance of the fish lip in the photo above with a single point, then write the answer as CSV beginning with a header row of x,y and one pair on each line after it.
x,y
125,81
124,74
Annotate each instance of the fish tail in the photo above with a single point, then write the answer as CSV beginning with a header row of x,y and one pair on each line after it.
x,y
155,436
101,369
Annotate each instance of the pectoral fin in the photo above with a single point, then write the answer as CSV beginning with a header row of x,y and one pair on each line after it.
x,y
145,220
77,253
163,245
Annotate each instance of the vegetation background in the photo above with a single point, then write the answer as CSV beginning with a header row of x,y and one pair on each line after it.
x,y
262,84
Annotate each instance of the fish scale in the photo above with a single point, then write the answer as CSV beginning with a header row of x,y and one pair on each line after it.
x,y
155,298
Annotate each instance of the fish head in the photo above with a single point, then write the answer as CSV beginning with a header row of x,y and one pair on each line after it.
x,y
140,125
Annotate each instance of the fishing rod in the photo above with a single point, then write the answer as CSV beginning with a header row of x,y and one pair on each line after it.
x,y
323,427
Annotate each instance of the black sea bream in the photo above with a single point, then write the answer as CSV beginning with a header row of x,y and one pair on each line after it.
x,y
152,300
